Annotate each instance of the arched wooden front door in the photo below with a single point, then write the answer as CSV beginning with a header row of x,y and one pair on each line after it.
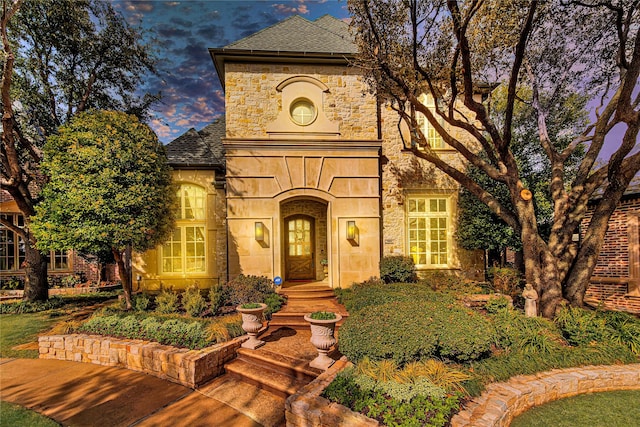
x,y
299,248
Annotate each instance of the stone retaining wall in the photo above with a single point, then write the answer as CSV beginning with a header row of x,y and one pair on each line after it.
x,y
497,406
191,368
307,408
502,402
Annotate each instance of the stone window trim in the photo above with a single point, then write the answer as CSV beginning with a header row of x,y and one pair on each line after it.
x,y
303,111
427,249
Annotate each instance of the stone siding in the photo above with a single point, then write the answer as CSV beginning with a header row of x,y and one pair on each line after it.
x,y
190,368
253,102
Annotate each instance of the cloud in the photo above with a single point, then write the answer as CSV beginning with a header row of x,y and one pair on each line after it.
x,y
285,9
168,31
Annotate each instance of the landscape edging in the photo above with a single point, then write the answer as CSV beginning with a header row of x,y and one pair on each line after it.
x,y
500,403
190,368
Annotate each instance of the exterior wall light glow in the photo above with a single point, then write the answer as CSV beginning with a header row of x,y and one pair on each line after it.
x,y
352,233
259,232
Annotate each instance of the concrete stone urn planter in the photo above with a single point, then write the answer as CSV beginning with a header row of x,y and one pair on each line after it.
x,y
252,318
322,338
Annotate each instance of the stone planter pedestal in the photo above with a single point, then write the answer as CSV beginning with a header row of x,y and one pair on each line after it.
x,y
252,319
322,338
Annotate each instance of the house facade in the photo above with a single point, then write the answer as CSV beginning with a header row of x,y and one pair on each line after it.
x,y
305,177
615,282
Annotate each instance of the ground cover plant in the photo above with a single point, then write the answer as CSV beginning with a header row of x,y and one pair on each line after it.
x,y
394,330
193,318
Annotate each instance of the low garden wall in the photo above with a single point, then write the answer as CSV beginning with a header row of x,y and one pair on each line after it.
x,y
497,406
502,402
307,408
191,368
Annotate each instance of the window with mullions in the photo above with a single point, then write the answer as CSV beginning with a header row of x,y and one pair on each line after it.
x,y
11,245
58,260
430,133
428,231
185,251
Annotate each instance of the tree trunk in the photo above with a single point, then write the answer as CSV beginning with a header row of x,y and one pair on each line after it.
x,y
124,270
35,284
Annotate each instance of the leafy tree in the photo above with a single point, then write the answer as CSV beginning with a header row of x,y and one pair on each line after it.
x,y
453,50
60,57
478,226
109,187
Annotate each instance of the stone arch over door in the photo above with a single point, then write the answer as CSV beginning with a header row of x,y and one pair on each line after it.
x,y
315,212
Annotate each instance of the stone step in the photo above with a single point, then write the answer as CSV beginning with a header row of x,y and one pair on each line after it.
x,y
264,378
295,320
293,367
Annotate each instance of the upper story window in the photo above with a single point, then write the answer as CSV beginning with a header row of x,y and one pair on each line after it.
x,y
303,112
434,139
428,230
185,251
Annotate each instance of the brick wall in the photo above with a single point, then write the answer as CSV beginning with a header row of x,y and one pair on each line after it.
x,y
614,255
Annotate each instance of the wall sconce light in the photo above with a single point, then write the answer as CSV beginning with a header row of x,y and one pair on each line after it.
x,y
259,232
352,233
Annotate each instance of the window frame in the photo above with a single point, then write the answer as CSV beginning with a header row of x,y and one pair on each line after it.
x,y
447,214
188,218
18,253
428,130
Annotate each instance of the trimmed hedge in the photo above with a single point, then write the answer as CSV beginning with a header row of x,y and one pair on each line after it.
x,y
397,269
405,331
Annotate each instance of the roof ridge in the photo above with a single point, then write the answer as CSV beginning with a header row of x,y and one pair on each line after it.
x,y
253,35
325,28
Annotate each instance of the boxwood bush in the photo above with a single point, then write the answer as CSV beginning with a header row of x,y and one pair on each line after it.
x,y
397,268
405,331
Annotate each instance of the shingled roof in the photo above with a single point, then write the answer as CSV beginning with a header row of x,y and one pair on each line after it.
x,y
295,39
297,34
198,149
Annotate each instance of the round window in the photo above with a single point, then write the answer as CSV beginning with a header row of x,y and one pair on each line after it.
x,y
303,112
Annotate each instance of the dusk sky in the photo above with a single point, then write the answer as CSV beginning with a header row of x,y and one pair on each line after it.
x,y
183,31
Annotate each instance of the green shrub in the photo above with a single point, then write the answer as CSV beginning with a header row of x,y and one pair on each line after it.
x,y
141,302
216,298
397,269
414,330
167,302
21,307
581,327
623,329
322,315
175,332
445,281
505,280
244,289
495,305
409,408
516,332
193,301
274,303
362,296
12,283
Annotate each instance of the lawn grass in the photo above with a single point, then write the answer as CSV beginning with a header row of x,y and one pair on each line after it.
x,y
16,329
611,409
16,415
